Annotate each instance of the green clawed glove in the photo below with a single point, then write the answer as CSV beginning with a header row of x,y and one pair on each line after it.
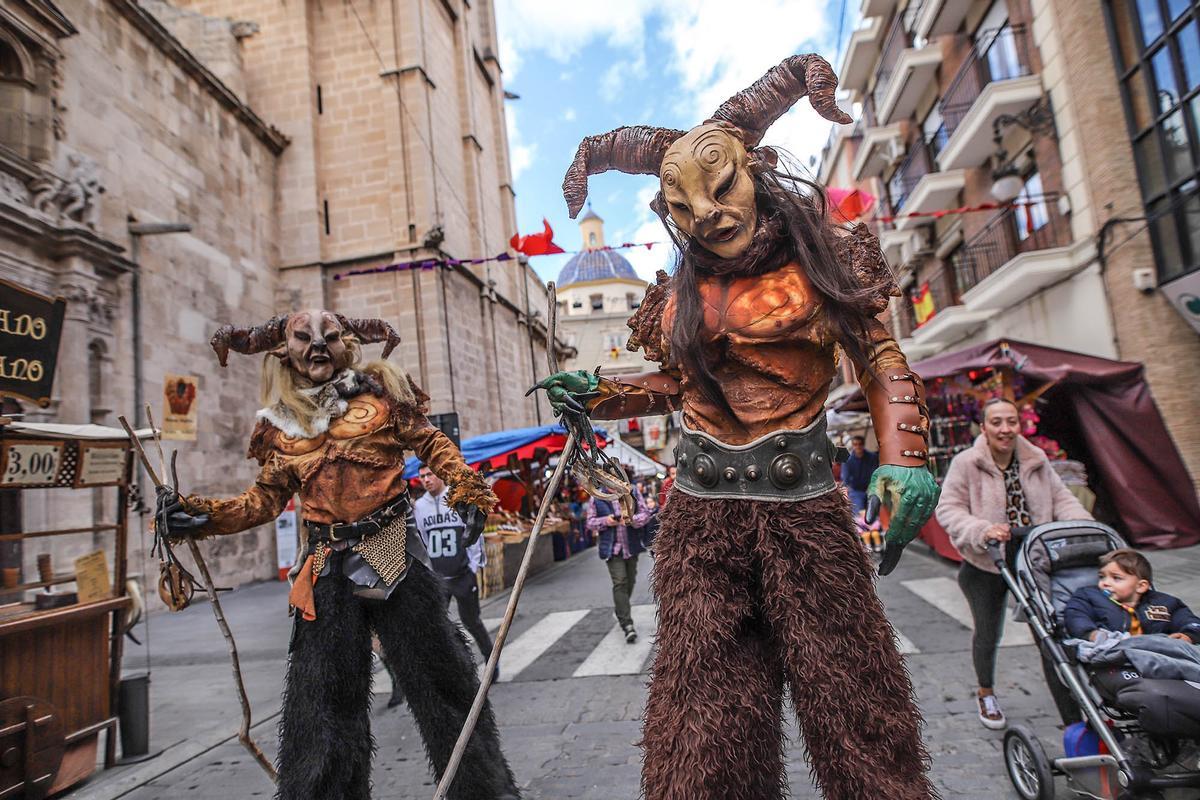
x,y
568,390
912,494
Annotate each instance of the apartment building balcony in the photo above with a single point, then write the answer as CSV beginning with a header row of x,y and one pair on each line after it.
x,y
877,8
952,320
917,186
1017,254
906,66
996,79
880,147
940,17
861,52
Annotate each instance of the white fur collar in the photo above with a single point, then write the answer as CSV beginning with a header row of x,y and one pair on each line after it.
x,y
329,403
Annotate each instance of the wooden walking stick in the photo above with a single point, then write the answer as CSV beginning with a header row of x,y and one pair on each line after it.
x,y
210,589
565,458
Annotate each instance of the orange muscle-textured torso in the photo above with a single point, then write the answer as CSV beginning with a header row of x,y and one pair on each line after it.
x,y
767,343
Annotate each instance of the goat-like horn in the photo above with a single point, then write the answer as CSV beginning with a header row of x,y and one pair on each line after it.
x,y
370,331
756,108
635,149
248,341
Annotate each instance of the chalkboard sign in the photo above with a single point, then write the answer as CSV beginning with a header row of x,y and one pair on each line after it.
x,y
30,328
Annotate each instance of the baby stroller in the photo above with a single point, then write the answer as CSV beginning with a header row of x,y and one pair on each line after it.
x,y
1050,563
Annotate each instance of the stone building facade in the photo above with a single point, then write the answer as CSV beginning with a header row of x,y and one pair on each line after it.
x,y
968,102
266,131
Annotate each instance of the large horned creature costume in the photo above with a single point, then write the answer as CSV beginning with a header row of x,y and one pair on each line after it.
x,y
759,575
336,434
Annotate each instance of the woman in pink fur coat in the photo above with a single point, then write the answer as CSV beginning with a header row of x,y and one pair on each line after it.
x,y
1001,483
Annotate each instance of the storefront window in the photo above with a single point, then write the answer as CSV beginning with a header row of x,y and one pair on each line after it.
x,y
1159,69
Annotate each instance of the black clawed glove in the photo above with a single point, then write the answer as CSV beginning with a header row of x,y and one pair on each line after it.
x,y
171,519
473,519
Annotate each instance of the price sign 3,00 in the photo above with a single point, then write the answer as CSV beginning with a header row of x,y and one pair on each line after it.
x,y
26,464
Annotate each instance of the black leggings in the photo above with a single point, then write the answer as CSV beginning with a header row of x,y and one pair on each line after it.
x,y
465,592
987,595
325,741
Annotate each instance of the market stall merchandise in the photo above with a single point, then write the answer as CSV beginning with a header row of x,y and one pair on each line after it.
x,y
61,631
1096,411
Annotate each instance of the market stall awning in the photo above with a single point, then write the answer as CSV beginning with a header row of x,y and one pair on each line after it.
x,y
54,430
642,464
496,447
1108,409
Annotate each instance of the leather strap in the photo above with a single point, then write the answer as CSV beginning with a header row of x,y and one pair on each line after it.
x,y
638,395
369,525
897,403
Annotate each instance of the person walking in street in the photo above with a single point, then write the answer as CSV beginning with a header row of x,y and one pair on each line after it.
x,y
857,471
455,555
665,490
1002,482
620,542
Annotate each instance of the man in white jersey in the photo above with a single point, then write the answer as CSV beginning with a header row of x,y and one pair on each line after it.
x,y
455,551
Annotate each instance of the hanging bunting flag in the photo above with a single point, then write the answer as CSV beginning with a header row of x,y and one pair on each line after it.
x,y
849,205
536,244
923,304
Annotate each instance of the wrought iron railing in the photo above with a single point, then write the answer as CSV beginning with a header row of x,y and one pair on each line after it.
x,y
1013,231
916,165
999,54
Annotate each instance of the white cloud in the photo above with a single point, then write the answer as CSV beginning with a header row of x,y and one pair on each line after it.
x,y
568,114
520,155
648,229
561,29
716,54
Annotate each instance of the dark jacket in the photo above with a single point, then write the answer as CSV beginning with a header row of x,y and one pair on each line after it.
x,y
1090,609
606,535
856,471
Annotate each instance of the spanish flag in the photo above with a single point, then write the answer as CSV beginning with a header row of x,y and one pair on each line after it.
x,y
922,301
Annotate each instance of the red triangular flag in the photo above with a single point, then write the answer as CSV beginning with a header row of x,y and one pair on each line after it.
x,y
536,244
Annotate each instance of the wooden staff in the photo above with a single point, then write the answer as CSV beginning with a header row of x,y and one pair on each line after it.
x,y
210,588
564,457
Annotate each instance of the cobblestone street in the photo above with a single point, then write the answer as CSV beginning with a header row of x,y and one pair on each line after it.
x,y
568,734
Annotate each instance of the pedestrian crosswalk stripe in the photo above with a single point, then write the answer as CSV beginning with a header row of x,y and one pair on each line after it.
x,y
493,624
529,646
945,595
615,656
904,644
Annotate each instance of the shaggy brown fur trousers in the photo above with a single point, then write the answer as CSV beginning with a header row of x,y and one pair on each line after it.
x,y
752,594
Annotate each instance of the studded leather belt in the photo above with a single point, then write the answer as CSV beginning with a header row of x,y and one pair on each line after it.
x,y
369,525
786,465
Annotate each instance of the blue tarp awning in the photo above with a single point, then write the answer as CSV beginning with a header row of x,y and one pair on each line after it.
x,y
499,444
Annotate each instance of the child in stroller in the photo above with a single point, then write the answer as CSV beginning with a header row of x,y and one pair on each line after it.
x,y
1142,753
1123,605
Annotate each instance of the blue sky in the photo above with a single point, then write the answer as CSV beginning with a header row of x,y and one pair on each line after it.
x,y
586,68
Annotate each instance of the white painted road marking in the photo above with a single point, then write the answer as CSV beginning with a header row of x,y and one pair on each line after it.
x,y
529,646
944,595
615,656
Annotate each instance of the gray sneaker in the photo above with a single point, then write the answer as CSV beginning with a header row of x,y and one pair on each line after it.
x,y
630,635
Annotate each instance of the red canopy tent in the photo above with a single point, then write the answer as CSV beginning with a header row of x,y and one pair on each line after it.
x,y
1103,412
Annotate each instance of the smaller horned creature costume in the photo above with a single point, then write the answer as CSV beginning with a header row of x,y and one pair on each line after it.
x,y
337,435
760,577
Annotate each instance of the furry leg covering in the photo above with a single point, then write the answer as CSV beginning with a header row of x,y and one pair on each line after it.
x,y
751,593
325,742
433,664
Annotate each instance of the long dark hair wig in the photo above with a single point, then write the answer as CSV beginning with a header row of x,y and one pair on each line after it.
x,y
793,225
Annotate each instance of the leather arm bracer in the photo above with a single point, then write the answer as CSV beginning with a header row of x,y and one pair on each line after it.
x,y
639,395
900,417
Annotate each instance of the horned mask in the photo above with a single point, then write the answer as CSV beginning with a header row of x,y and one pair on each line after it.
x,y
705,174
311,342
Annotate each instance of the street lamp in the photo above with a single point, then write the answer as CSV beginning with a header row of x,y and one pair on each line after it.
x,y
1007,182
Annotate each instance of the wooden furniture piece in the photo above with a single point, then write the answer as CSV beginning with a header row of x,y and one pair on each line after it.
x,y
60,668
